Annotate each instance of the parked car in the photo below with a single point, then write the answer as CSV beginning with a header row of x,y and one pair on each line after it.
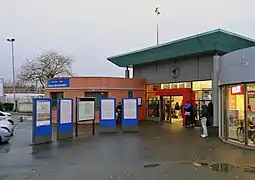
x,y
5,134
8,123
4,113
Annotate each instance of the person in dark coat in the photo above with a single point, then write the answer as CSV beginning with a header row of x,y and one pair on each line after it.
x,y
210,114
188,113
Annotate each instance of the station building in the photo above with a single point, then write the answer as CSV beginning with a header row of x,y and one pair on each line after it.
x,y
98,87
183,70
237,97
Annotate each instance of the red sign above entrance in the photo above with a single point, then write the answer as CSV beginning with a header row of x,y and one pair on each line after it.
x,y
237,90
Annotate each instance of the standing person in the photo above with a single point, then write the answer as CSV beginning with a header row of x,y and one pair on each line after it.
x,y
177,109
203,117
194,117
168,110
210,114
187,113
119,113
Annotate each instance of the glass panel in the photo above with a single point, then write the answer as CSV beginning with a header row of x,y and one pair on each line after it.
x,y
153,110
201,85
55,96
97,96
251,114
235,113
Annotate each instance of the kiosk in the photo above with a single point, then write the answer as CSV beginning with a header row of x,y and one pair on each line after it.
x,y
42,120
129,114
108,115
65,118
85,111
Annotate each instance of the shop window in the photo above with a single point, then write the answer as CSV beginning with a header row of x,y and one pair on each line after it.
x,y
201,85
55,96
234,113
97,96
251,114
175,85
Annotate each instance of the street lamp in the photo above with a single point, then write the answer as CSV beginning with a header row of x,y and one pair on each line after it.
x,y
13,72
157,12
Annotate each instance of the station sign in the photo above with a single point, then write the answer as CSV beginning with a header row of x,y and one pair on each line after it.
x,y
58,83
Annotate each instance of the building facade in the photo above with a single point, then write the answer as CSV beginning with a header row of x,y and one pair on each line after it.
x,y
237,97
98,87
180,71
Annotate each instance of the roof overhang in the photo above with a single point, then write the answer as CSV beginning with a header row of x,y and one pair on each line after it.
x,y
213,41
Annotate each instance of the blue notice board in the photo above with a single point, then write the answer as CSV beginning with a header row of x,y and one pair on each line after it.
x,y
42,116
65,115
108,112
129,112
58,83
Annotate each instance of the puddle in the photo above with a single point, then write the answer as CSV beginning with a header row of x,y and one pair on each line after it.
x,y
222,167
152,165
218,167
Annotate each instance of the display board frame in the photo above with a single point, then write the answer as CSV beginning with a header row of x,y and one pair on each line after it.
x,y
108,125
129,124
77,119
41,133
64,130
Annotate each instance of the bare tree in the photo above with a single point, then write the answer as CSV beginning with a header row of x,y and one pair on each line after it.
x,y
46,66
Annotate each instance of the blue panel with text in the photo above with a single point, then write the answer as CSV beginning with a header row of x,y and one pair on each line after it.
x,y
42,116
65,115
129,112
108,112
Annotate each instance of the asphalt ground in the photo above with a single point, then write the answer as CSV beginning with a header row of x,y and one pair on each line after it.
x,y
156,152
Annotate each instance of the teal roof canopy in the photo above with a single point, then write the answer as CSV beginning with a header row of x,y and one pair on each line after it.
x,y
217,41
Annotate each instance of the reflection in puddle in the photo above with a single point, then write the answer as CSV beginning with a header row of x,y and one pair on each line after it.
x,y
223,167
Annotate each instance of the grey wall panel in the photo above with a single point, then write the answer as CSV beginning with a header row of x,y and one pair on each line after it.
x,y
238,66
136,72
205,67
188,69
191,69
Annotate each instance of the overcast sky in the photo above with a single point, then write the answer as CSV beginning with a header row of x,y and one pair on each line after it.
x,y
90,31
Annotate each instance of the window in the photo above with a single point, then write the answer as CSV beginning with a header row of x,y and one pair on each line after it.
x,y
97,96
250,107
235,110
55,96
201,85
175,85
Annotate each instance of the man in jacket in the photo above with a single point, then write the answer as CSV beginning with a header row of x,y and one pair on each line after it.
x,y
210,114
203,117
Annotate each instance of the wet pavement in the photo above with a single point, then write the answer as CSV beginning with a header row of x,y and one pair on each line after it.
x,y
156,152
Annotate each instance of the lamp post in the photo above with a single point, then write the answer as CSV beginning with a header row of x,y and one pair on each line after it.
x,y
157,12
11,40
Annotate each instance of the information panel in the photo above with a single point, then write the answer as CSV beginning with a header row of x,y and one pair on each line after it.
x,y
107,109
86,110
108,115
130,108
43,113
129,113
42,120
66,109
65,118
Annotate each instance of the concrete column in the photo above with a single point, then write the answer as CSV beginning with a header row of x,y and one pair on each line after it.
x,y
127,72
215,90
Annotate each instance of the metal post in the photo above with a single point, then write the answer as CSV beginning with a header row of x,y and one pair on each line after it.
x,y
13,78
157,12
157,35
76,116
13,72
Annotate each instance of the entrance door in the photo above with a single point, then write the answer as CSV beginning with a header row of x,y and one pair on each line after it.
x,y
176,109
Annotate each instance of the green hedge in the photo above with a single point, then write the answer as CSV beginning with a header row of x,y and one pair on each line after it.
x,y
1,106
6,106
